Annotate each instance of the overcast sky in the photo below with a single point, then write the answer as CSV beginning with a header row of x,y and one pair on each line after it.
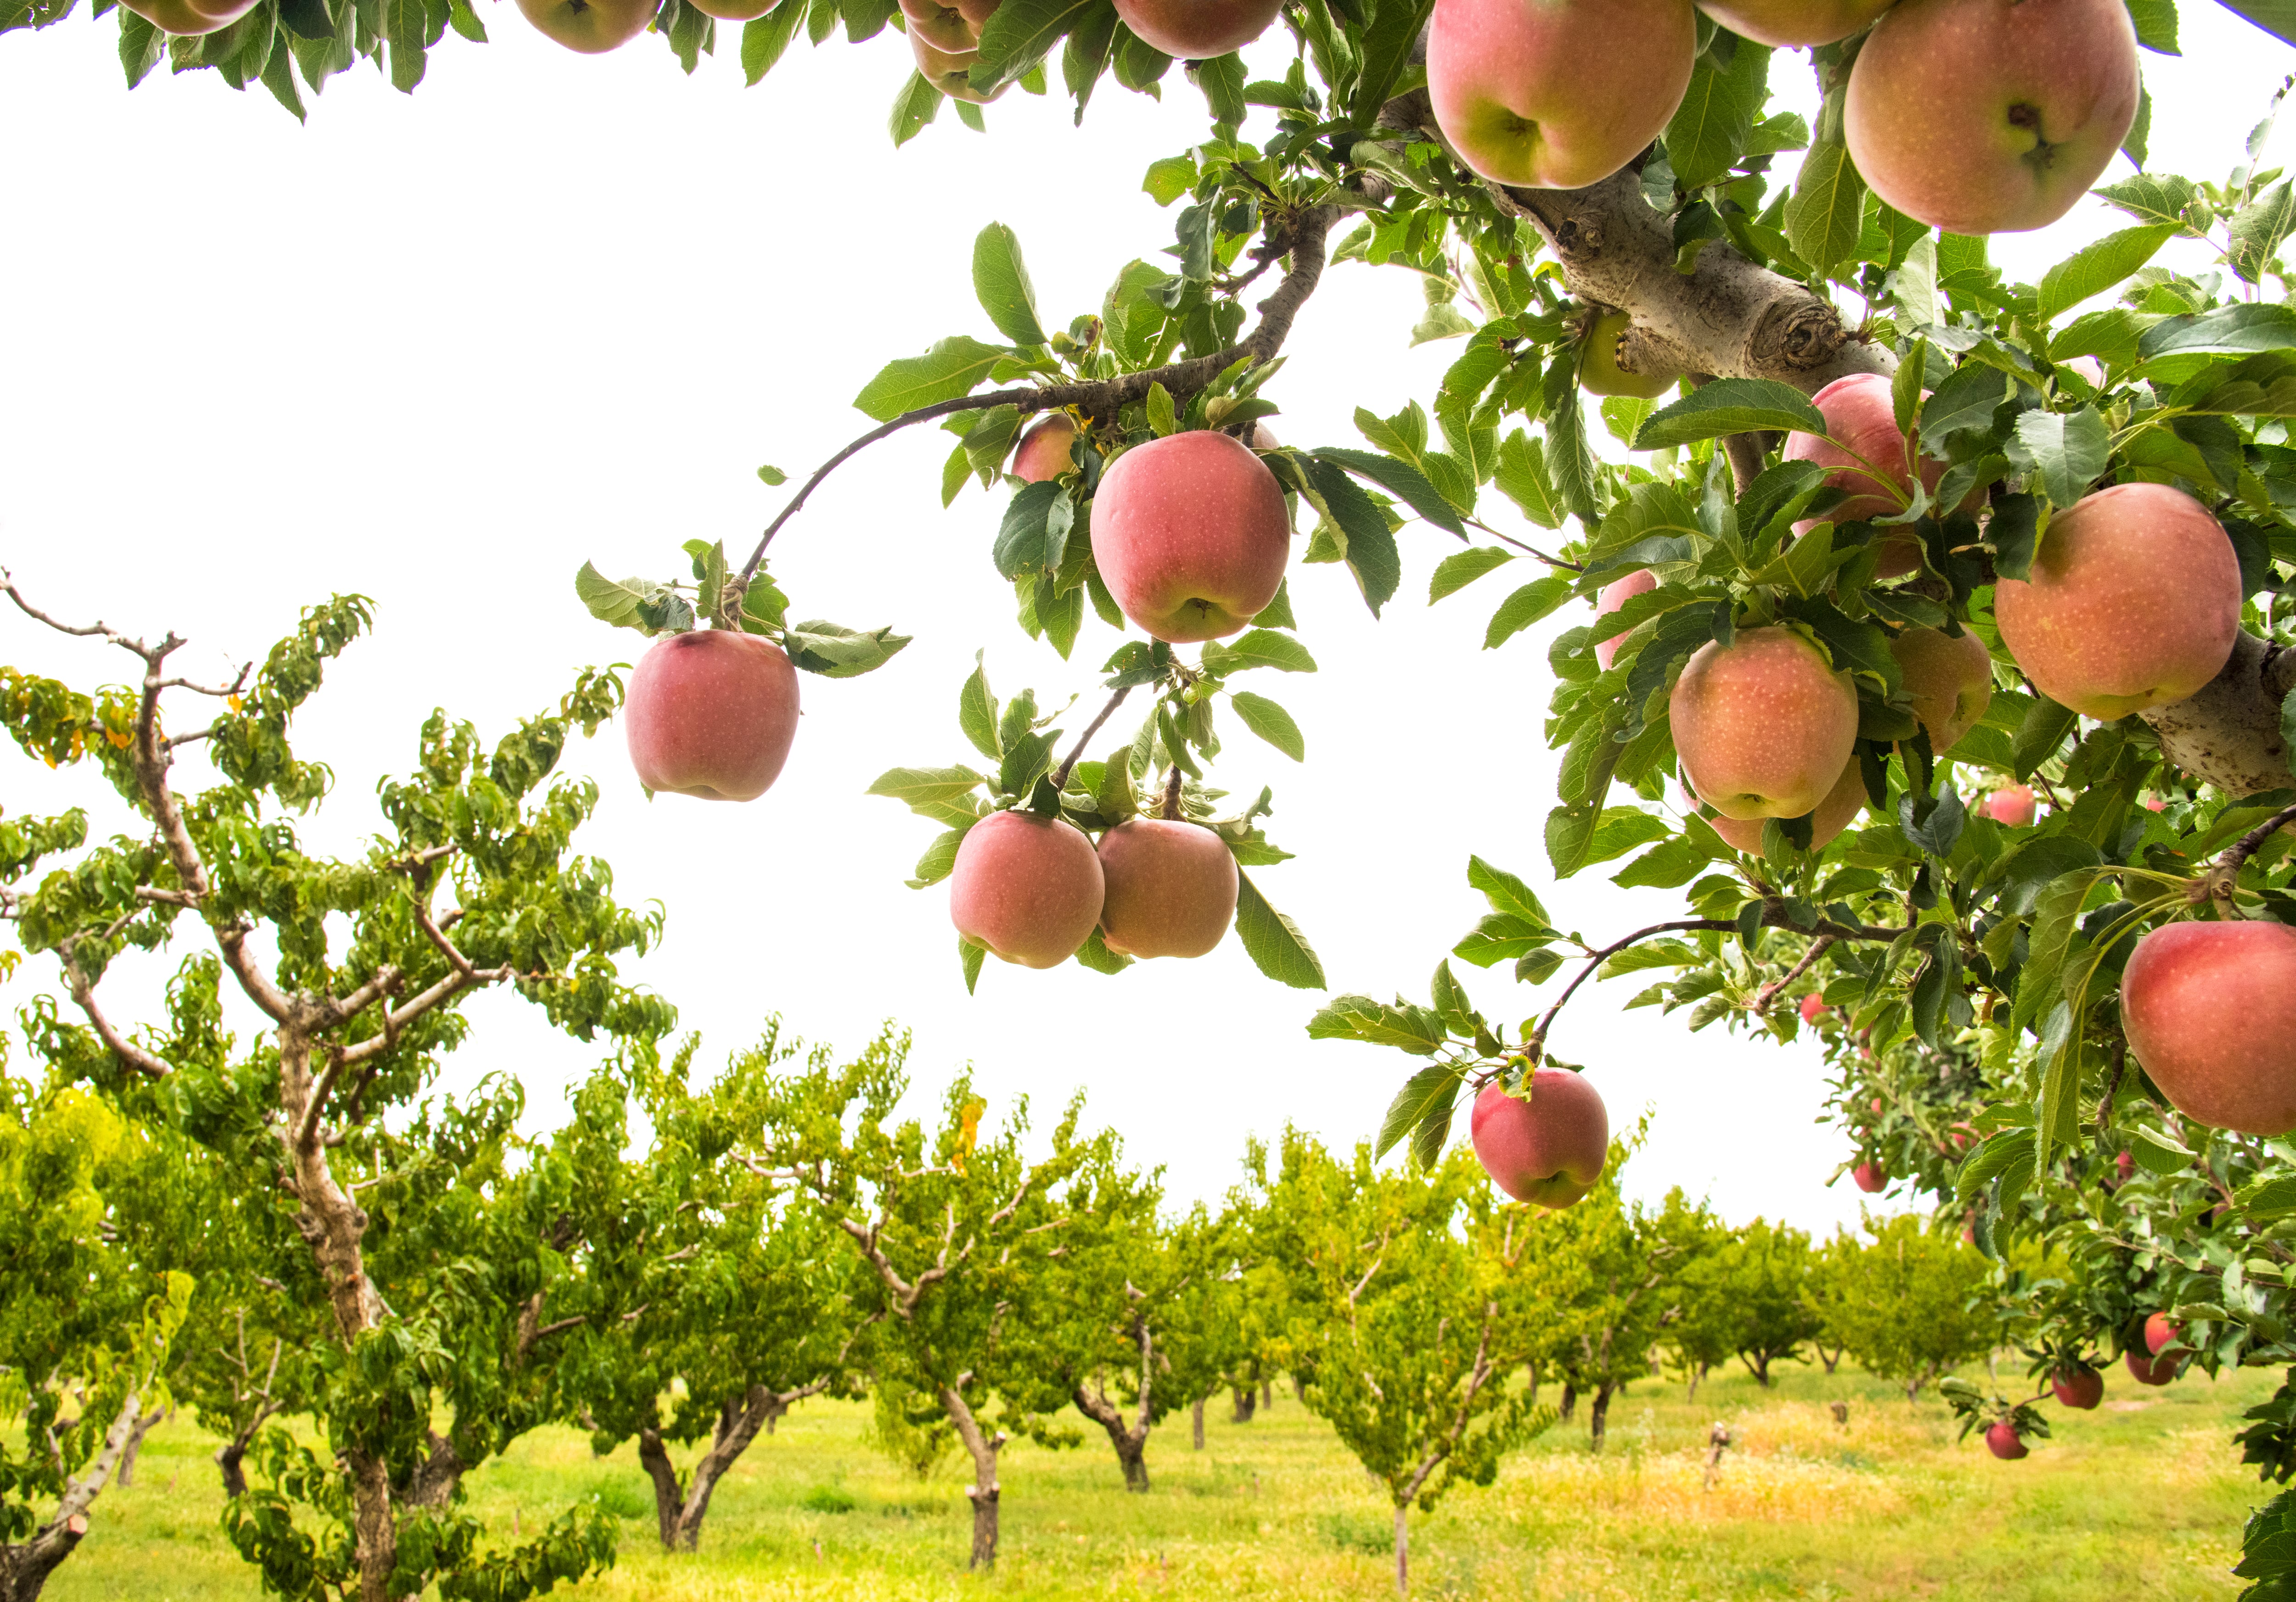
x,y
441,350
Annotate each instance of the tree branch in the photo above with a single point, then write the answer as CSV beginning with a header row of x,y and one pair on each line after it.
x,y
1061,774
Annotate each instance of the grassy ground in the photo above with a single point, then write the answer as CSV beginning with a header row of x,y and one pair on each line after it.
x,y
2144,1497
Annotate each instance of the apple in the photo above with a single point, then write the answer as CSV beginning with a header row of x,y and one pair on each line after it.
x,y
1197,30
1190,534
1600,375
1171,888
2160,1333
2154,803
1025,888
1549,1150
1790,22
188,18
1048,450
1764,726
948,70
953,29
2209,1009
1557,93
1950,681
2080,1386
2125,1165
1836,813
1870,1178
1608,599
592,27
2004,1442
1862,438
2150,1370
2012,804
1814,1007
734,11
711,712
2042,91
2134,602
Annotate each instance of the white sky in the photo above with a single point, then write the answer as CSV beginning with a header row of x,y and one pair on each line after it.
x,y
442,350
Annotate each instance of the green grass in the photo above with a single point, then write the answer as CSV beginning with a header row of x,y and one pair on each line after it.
x,y
2144,1497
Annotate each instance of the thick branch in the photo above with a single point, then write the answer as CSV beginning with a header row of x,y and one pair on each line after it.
x,y
83,995
2228,734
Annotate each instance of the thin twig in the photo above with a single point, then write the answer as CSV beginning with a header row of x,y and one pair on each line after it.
x,y
2224,878
1172,793
1477,522
1769,992
1061,774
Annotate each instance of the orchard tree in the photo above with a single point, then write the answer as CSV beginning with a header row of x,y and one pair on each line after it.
x,y
1901,1305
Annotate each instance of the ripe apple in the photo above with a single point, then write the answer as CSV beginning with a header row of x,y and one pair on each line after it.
x,y
592,27
1950,681
188,18
2081,1387
711,712
2012,804
1189,532
2043,92
1549,1150
1171,888
1814,1007
1862,438
950,29
1600,375
1197,30
734,11
1025,888
2209,1010
2134,601
948,70
1557,93
2002,1441
1608,599
1836,813
1870,1178
1764,727
2159,1332
1048,450
2150,1370
1777,22
2125,1165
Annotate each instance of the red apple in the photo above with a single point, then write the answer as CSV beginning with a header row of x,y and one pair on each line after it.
x,y
2134,601
2159,1333
1870,1178
2081,1387
1608,599
2042,91
1950,681
2154,803
1171,888
711,712
2011,804
1557,93
1190,534
948,70
187,17
1601,373
1793,21
1814,1007
1025,888
2150,1370
945,28
1048,450
2209,1009
1197,30
1863,440
592,27
2004,1442
2125,1165
1764,727
1549,1150
1836,813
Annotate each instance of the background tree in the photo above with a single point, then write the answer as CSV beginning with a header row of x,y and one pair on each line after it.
x,y
1900,1304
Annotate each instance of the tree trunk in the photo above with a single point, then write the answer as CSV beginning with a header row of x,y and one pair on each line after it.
x,y
1696,1374
125,1477
1267,1392
25,1566
1198,1411
1531,1369
1598,1414
1247,1401
1130,1442
1829,1358
1758,1363
1570,1403
231,1458
1402,1552
984,1489
680,1504
435,1478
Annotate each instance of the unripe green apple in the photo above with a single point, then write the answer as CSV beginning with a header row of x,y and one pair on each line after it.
x,y
1025,888
1197,30
1950,681
2081,1387
2209,1009
1827,819
1777,22
2134,602
1549,1150
1557,93
1862,438
1608,599
189,18
2012,805
1171,888
1764,727
1190,535
1048,450
592,27
1991,116
1600,372
711,714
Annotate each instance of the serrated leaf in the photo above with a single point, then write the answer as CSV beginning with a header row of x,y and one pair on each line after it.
x,y
1456,571
916,106
1000,282
944,795
836,652
765,38
1271,723
1257,648
1402,479
1504,891
1274,941
1714,123
1730,406
1521,477
2259,229
1371,555
1827,213
1019,34
976,712
2068,449
2095,268
1533,602
953,367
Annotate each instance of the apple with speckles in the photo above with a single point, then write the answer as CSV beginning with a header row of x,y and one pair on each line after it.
x,y
1549,1150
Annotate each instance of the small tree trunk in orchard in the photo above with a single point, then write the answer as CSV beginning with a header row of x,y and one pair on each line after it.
x,y
1267,1392
143,1427
668,1494
984,1489
1697,1373
1402,1551
1131,1442
1829,1358
25,1566
1533,1371
231,1458
1598,1415
1247,1400
1569,1408
1198,1411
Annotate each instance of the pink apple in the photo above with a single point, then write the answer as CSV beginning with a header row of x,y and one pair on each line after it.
x,y
1026,889
711,712
1048,450
2150,1370
1764,728
2081,1386
1836,813
189,18
2011,804
592,27
1190,534
1549,1150
2125,1165
1814,1007
2209,1009
1862,438
1793,21
1870,1178
2159,1333
1171,888
1950,682
1608,599
1197,30
2134,601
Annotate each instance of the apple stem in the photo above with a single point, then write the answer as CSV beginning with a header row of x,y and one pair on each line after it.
x,y
2224,878
1172,794
1061,774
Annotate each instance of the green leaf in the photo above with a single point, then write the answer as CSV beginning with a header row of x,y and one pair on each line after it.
x,y
1019,34
625,605
836,652
1505,892
2243,329
1528,605
1730,406
917,104
765,38
1522,479
950,370
1372,556
2069,450
1402,479
1000,282
2044,728
2259,229
2274,17
1460,568
407,23
944,795
1171,178
2096,269
1827,213
2159,198
1161,414
1711,128
1411,1029
939,860
1273,941
976,712
1620,830
1024,537
1385,47
1257,648
1221,79
1271,723
1095,954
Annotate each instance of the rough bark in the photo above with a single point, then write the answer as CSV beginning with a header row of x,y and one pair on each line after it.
x,y
25,1565
682,1504
984,1489
2229,733
1247,1402
143,1427
1570,1403
1130,1440
231,1458
1198,1411
1696,1374
1267,1392
1402,1552
1598,1413
1758,1363
435,1477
